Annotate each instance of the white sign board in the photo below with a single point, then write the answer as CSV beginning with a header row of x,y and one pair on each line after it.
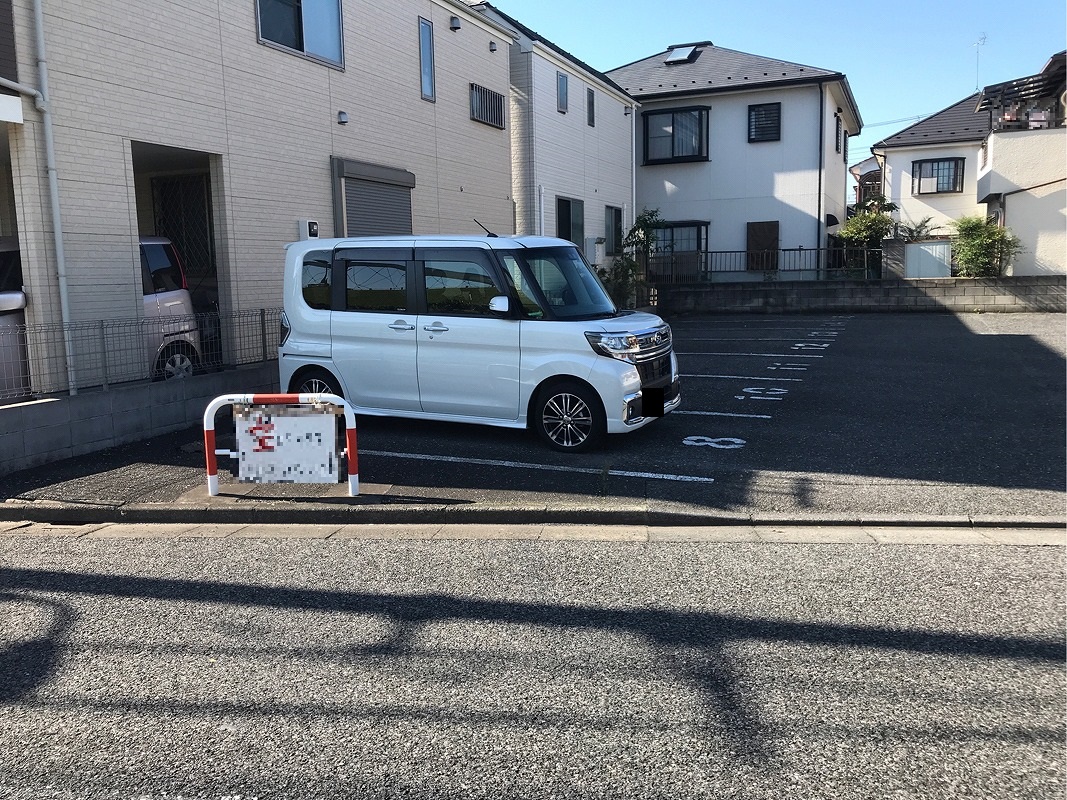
x,y
287,444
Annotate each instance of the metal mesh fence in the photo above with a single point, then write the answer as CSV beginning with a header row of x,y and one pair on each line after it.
x,y
33,357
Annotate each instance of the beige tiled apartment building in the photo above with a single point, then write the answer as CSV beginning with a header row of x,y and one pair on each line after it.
x,y
226,125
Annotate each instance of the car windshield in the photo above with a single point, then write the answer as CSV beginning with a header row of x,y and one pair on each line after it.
x,y
557,280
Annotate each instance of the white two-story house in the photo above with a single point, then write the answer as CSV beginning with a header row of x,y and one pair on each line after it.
x,y
930,169
572,157
745,158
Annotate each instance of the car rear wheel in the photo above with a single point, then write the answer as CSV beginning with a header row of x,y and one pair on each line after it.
x,y
568,417
317,381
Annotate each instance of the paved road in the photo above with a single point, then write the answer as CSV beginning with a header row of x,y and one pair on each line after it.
x,y
853,416
301,668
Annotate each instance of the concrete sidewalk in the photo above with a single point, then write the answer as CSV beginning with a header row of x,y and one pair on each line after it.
x,y
647,534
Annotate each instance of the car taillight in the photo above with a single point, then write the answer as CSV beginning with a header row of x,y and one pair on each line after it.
x,y
286,330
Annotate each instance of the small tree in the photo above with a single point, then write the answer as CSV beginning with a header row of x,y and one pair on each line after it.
x,y
982,249
917,232
622,278
866,229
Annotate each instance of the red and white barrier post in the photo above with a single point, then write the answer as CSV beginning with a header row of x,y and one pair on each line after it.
x,y
213,407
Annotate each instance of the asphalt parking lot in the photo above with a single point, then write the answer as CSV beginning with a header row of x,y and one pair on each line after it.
x,y
906,413
875,415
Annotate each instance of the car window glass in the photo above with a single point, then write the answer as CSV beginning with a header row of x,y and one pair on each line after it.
x,y
375,286
458,287
10,271
315,279
522,287
159,261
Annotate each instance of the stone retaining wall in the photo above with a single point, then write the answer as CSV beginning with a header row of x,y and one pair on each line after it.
x,y
1019,293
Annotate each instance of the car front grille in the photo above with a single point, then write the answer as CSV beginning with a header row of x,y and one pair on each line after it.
x,y
653,359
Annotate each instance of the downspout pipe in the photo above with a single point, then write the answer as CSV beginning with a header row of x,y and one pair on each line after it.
x,y
40,102
822,163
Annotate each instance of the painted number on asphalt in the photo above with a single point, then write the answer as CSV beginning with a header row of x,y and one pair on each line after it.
x,y
761,393
721,443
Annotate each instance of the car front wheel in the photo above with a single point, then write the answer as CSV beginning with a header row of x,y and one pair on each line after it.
x,y
568,417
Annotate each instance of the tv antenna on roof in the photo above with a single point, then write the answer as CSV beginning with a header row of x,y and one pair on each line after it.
x,y
977,55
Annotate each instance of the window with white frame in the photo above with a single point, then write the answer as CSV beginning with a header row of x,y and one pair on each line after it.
x,y
309,27
429,90
937,176
676,135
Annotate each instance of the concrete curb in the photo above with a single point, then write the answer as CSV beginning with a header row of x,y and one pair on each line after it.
x,y
227,512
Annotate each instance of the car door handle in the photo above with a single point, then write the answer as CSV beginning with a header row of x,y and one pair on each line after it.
x,y
435,328
402,326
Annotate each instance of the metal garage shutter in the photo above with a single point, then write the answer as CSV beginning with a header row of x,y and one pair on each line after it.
x,y
376,209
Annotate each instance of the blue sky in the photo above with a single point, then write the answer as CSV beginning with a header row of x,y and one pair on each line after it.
x,y
903,60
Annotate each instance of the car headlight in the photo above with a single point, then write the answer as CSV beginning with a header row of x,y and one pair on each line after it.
x,y
622,346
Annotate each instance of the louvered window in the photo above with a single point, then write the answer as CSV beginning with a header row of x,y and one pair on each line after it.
x,y
487,106
765,122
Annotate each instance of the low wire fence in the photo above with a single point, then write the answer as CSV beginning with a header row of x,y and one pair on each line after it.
x,y
33,358
737,266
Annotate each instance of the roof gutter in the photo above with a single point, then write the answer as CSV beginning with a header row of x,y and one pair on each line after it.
x,y
40,101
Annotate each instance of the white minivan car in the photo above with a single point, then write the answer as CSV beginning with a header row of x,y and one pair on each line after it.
x,y
514,332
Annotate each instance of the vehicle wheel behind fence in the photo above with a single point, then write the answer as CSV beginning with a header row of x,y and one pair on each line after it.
x,y
176,362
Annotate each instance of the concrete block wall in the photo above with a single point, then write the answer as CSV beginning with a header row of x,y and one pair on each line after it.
x,y
1021,293
38,432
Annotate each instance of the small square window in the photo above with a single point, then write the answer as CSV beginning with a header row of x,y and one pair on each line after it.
x,y
765,122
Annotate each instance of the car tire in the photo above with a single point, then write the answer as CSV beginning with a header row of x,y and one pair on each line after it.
x,y
316,381
568,417
176,362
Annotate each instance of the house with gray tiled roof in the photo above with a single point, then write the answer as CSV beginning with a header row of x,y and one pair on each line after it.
x,y
743,156
930,169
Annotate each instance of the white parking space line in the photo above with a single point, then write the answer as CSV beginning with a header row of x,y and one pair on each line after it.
x,y
749,355
722,414
740,377
762,339
544,467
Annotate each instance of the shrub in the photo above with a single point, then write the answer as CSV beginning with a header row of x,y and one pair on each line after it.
x,y
982,249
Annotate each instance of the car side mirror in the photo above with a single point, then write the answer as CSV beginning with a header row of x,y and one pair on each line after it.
x,y
500,304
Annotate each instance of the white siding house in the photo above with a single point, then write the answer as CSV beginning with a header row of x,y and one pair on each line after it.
x,y
930,169
572,145
740,154
224,125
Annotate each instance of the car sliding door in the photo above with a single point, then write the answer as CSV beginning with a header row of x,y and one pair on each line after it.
x,y
468,359
373,328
